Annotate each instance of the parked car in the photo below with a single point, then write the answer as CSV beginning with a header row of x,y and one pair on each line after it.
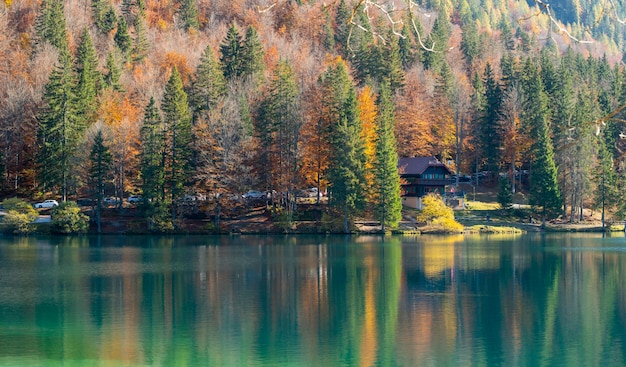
x,y
111,201
254,195
47,204
134,199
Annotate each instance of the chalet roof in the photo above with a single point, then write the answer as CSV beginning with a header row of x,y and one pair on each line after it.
x,y
417,165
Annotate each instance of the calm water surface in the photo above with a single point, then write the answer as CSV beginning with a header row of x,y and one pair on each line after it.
x,y
532,300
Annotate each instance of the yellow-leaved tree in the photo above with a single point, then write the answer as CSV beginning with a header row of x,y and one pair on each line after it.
x,y
436,213
367,114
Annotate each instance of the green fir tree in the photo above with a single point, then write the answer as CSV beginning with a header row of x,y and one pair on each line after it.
x,y
60,128
177,119
188,13
122,37
100,163
231,59
388,204
208,85
544,188
89,79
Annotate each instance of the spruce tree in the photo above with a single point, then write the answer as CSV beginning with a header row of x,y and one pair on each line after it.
x,y
278,132
140,43
439,37
342,28
89,79
152,137
388,204
606,195
490,127
122,37
152,162
59,130
177,119
112,76
50,26
208,85
405,48
188,13
231,59
392,65
544,189
346,171
100,162
252,54
470,42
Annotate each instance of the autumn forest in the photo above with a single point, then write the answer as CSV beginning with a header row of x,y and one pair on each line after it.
x,y
171,99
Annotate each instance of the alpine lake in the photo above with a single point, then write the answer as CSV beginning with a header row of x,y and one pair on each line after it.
x,y
479,300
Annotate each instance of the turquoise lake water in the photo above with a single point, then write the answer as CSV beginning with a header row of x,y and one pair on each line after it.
x,y
526,300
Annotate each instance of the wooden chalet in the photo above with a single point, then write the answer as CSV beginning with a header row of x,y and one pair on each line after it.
x,y
420,176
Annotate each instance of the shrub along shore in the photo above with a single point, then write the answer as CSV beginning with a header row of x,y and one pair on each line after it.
x,y
20,218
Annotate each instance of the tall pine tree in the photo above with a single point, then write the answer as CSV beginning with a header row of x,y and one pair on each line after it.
x,y
346,171
89,79
177,119
99,169
544,188
152,162
388,205
231,58
60,127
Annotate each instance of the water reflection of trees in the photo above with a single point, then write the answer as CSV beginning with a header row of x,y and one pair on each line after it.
x,y
317,300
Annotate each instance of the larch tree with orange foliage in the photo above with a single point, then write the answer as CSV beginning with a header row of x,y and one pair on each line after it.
x,y
413,133
122,120
368,112
443,127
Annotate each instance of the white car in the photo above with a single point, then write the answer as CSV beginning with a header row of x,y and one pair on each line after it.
x,y
47,204
134,199
254,195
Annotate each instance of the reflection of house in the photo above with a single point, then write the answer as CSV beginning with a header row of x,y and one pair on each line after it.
x,y
420,176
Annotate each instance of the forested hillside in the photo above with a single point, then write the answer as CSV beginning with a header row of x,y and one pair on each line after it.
x,y
179,97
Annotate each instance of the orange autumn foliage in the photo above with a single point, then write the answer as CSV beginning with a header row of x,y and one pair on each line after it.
x,y
368,111
175,59
413,132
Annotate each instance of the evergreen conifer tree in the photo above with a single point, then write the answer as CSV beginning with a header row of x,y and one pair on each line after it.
x,y
405,48
89,79
252,54
607,195
122,37
140,44
278,131
544,189
59,130
177,119
50,26
188,13
152,137
208,85
439,37
112,77
388,205
152,163
231,58
100,160
342,28
490,127
346,171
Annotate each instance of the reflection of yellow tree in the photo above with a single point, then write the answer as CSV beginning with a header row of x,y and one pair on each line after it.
x,y
390,299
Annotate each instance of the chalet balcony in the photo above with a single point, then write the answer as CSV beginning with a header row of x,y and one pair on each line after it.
x,y
428,182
